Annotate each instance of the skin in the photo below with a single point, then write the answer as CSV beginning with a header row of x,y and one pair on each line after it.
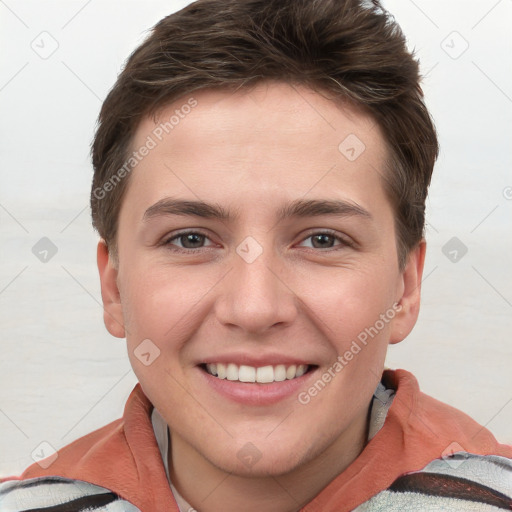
x,y
252,152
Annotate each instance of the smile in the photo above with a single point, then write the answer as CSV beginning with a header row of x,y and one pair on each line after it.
x,y
262,375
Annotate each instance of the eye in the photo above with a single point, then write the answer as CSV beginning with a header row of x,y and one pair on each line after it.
x,y
325,240
187,241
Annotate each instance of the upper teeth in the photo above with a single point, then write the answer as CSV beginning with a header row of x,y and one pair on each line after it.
x,y
263,375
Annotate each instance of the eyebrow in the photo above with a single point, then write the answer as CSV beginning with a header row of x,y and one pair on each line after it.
x,y
296,208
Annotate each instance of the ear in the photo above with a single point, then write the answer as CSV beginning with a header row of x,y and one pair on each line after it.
x,y
410,289
112,308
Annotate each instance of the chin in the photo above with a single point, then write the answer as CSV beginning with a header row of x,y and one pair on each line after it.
x,y
263,458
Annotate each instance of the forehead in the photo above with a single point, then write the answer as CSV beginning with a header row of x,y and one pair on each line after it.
x,y
272,138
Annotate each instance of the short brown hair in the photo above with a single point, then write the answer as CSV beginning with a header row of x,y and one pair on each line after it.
x,y
352,49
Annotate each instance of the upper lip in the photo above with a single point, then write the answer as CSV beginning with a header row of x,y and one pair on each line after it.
x,y
256,361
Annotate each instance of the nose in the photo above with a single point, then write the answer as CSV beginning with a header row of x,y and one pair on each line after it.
x,y
256,296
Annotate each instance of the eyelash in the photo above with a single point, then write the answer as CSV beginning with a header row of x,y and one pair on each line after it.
x,y
167,242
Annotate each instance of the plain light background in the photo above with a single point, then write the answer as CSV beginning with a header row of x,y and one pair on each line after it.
x,y
62,375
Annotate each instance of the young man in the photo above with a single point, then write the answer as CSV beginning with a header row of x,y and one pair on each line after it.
x,y
261,169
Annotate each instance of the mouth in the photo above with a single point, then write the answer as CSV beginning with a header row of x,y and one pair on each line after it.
x,y
260,375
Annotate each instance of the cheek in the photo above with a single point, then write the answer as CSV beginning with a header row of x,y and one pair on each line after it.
x,y
350,302
161,304
355,313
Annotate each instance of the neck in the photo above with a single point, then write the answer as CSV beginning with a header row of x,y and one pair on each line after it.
x,y
208,488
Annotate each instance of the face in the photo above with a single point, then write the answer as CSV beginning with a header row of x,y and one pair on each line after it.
x,y
257,259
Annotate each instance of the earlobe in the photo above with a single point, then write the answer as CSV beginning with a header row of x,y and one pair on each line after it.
x,y
410,299
112,308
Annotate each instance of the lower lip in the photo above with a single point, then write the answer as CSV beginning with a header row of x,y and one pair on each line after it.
x,y
253,393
